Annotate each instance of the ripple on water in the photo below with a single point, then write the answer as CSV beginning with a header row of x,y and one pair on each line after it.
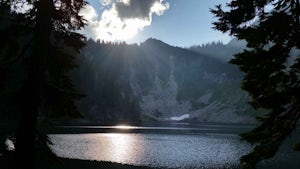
x,y
157,150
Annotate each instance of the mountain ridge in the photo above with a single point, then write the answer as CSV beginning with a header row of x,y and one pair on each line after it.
x,y
154,80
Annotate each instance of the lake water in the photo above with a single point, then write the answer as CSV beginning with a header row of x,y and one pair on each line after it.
x,y
188,146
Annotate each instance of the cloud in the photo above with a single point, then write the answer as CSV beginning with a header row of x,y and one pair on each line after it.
x,y
106,2
122,19
89,13
91,17
135,8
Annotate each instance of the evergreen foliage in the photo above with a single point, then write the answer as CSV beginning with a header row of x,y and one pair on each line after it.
x,y
9,52
272,66
39,53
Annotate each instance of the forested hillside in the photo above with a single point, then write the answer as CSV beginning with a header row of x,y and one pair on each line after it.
x,y
155,81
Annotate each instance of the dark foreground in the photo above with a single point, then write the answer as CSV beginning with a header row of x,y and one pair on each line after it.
x,y
65,163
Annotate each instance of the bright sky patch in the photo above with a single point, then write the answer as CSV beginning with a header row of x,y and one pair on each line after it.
x,y
122,19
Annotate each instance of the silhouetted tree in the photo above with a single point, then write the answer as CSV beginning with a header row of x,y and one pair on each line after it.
x,y
49,45
272,66
10,50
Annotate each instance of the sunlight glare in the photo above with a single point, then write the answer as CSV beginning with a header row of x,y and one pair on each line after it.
x,y
124,127
122,147
112,28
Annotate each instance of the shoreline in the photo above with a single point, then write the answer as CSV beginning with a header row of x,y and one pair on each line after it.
x,y
89,164
68,163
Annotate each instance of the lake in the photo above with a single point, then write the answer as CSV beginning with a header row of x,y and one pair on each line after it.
x,y
173,146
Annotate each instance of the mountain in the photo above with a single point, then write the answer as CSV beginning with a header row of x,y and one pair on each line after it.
x,y
156,81
220,51
235,43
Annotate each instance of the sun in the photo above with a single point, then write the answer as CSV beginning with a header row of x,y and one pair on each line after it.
x,y
113,28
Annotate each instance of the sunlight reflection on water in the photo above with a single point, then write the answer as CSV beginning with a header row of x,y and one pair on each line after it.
x,y
120,148
206,146
184,151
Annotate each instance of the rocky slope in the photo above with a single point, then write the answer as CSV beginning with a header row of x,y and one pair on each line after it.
x,y
155,81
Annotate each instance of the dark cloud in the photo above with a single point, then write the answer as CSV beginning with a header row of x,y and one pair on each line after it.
x,y
135,9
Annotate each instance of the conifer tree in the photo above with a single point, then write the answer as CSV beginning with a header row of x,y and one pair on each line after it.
x,y
271,63
49,45
10,51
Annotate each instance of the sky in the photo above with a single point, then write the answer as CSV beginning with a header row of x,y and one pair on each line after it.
x,y
181,23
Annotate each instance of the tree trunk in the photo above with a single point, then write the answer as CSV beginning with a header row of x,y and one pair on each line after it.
x,y
33,87
25,138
